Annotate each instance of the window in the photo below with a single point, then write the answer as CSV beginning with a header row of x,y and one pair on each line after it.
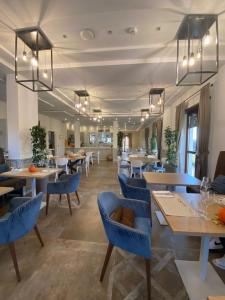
x,y
192,135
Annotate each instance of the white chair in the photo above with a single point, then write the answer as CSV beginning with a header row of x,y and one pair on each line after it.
x,y
87,164
96,156
61,163
136,167
90,154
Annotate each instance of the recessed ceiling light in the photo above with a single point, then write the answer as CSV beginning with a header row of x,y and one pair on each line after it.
x,y
87,34
109,31
64,36
158,28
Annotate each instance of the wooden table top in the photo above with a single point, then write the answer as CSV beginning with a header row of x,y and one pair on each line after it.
x,y
24,173
171,179
216,298
144,159
4,190
193,226
76,157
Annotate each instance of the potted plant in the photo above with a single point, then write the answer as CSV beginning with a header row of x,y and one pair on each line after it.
x,y
38,140
120,141
171,143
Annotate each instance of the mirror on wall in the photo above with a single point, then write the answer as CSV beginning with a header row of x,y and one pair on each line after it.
x,y
101,138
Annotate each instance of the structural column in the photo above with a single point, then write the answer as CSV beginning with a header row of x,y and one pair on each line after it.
x,y
77,134
115,133
22,114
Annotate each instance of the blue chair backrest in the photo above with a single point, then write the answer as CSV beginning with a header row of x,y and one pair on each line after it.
x,y
72,182
123,183
21,220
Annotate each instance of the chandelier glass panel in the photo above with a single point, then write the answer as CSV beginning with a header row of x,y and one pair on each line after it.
x,y
156,101
33,60
197,49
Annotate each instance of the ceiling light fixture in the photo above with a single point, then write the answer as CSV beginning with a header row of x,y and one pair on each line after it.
x,y
156,101
36,43
195,33
87,34
132,30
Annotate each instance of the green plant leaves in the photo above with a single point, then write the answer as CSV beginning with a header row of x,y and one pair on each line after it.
x,y
38,140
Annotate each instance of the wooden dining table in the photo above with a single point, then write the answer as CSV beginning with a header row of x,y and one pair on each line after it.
x,y
5,190
144,159
199,277
171,179
168,180
41,173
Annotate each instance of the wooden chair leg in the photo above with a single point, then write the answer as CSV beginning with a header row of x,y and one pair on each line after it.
x,y
38,235
47,203
13,255
148,277
107,257
78,199
68,198
60,198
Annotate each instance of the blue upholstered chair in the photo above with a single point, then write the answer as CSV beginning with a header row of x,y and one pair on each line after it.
x,y
67,184
20,220
135,188
136,240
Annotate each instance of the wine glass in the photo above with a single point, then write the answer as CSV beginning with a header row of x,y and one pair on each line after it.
x,y
205,199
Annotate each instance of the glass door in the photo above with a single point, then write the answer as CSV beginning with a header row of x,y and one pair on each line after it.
x,y
192,136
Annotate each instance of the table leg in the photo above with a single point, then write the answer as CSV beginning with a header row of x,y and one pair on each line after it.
x,y
33,186
204,255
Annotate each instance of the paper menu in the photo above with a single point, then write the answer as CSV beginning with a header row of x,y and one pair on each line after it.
x,y
173,205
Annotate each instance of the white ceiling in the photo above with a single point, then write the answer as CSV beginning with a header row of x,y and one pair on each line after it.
x,y
117,69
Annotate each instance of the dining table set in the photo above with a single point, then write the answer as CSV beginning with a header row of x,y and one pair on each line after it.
x,y
190,214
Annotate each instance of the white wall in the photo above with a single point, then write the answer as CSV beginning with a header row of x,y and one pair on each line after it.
x,y
51,124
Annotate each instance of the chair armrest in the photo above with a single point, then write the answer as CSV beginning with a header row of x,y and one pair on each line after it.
x,y
140,208
17,201
138,193
137,182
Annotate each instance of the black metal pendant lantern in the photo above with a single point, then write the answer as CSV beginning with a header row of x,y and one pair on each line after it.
x,y
33,60
156,101
197,49
144,114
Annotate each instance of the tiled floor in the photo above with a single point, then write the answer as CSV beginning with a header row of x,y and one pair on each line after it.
x,y
68,267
